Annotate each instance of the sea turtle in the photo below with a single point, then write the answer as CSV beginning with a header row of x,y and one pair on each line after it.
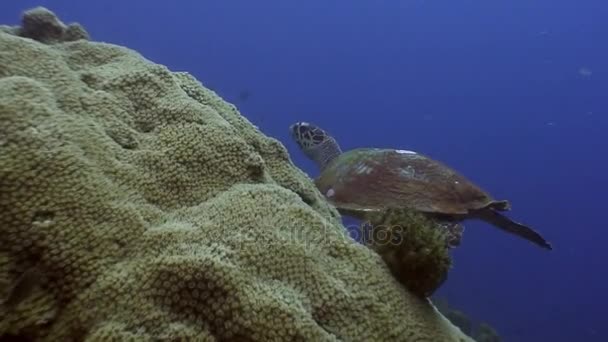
x,y
366,180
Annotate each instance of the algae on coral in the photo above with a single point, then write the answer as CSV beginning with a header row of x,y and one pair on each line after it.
x,y
154,210
415,251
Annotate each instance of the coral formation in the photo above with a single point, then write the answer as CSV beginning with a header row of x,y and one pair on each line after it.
x,y
481,332
461,320
42,25
415,251
485,333
137,205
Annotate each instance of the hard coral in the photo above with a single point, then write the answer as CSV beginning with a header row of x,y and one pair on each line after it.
x,y
136,204
42,25
481,332
415,251
486,333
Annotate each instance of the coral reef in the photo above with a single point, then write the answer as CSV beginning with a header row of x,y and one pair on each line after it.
x,y
461,320
485,333
42,25
415,251
137,205
481,332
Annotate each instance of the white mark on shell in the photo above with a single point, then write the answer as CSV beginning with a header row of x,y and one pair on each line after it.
x,y
330,193
405,152
364,169
408,171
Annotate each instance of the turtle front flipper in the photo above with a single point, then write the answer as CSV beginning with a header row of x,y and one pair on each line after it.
x,y
500,221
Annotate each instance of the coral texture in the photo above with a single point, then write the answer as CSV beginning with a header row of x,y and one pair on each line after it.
x,y
415,250
137,205
480,331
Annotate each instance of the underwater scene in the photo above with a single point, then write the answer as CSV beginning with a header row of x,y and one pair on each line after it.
x,y
414,170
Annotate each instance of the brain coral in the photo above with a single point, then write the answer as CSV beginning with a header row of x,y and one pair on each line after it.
x,y
137,205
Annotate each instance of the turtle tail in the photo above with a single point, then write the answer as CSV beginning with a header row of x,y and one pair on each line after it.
x,y
501,221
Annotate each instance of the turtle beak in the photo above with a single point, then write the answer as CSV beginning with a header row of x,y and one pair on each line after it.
x,y
296,127
297,131
293,129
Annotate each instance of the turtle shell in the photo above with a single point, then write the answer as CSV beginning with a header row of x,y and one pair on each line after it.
x,y
371,179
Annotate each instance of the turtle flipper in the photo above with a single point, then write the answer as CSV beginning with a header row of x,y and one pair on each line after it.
x,y
502,205
500,221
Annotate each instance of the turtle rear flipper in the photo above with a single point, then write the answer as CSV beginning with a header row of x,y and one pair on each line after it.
x,y
502,205
500,221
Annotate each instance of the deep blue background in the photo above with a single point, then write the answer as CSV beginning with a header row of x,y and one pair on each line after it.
x,y
492,88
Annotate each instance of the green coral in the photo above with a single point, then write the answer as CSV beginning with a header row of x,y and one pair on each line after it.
x,y
481,332
415,251
143,207
485,333
461,320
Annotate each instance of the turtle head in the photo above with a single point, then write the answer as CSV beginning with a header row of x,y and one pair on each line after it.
x,y
315,142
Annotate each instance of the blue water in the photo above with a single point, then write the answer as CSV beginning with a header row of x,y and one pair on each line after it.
x,y
510,93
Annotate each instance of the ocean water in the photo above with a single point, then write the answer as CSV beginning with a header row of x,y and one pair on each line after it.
x,y
513,94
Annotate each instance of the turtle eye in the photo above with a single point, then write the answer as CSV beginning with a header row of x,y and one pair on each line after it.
x,y
305,130
299,129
